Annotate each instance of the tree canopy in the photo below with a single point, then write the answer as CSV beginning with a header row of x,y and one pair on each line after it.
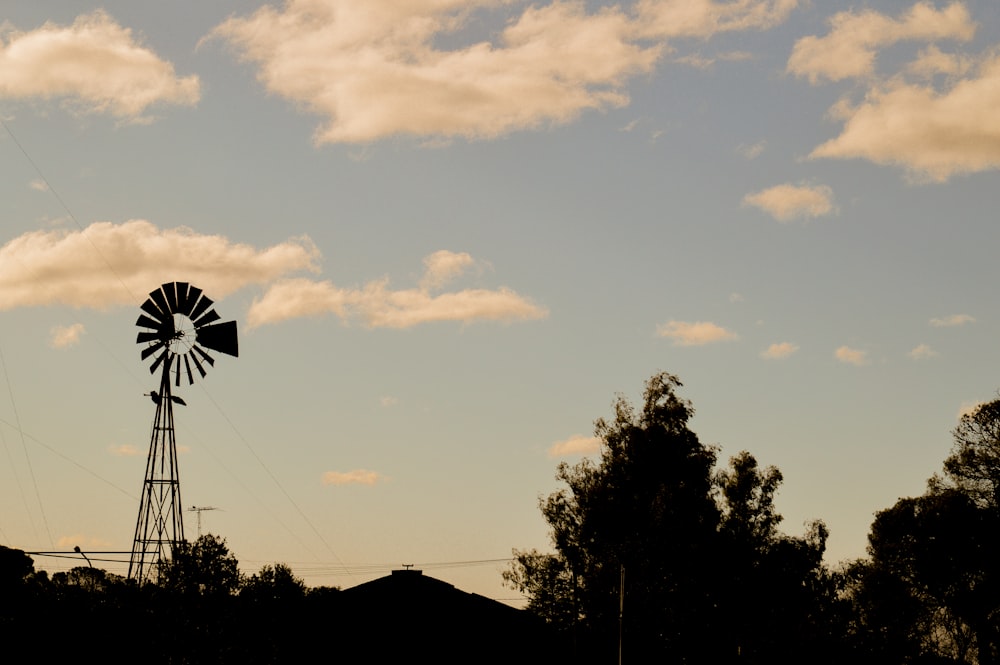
x,y
691,557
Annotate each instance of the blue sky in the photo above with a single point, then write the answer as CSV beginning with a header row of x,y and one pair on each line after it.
x,y
451,232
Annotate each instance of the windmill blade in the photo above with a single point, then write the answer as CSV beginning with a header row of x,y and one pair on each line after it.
x,y
183,299
202,305
177,378
145,322
204,356
210,317
150,350
220,337
193,294
147,337
150,308
161,301
197,364
187,366
171,292
159,359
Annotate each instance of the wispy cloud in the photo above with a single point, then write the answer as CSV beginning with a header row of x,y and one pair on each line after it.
x,y
355,477
922,352
376,69
125,450
846,354
575,445
695,333
443,266
849,49
779,351
752,150
704,18
94,64
38,185
61,337
952,321
111,264
378,306
83,542
789,202
388,400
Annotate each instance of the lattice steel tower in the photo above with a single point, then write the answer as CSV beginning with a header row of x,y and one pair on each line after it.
x,y
181,325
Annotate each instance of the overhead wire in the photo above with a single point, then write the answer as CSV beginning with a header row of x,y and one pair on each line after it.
x,y
132,296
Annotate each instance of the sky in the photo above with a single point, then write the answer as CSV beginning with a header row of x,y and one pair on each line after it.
x,y
451,233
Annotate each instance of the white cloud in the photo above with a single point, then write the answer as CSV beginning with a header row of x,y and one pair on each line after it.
x,y
575,445
789,202
735,297
922,352
61,337
846,354
125,450
374,70
38,185
779,351
694,334
952,321
932,61
704,18
112,264
378,306
933,135
443,266
355,477
387,401
95,64
849,49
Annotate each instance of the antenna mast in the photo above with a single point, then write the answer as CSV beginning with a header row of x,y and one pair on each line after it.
x,y
181,325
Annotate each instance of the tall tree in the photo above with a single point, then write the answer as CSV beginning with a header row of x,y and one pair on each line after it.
x,y
689,554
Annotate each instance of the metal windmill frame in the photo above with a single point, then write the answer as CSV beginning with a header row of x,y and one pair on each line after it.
x,y
181,325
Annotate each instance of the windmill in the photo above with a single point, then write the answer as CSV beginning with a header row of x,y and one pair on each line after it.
x,y
181,325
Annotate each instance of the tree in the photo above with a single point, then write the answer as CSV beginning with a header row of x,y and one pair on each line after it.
x,y
205,567
699,551
272,584
931,586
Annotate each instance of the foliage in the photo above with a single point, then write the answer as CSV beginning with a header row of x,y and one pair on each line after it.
x,y
707,576
205,567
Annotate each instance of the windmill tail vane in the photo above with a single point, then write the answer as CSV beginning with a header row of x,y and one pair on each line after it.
x,y
180,328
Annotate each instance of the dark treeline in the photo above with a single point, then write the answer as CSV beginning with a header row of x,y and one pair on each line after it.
x,y
667,557
661,554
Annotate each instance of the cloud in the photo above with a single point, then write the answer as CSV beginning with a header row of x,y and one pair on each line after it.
x,y
751,151
932,61
388,400
355,477
113,264
83,542
95,64
39,185
967,409
375,69
933,135
922,352
378,306
125,450
694,334
61,337
704,18
575,445
952,321
789,202
735,297
846,354
779,351
849,49
442,266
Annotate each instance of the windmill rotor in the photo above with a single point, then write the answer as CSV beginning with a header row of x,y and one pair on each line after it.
x,y
180,328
